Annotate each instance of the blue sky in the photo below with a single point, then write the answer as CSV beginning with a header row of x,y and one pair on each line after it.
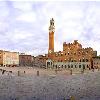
x,y
24,24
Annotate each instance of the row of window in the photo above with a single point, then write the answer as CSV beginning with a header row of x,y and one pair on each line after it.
x,y
26,57
96,63
71,66
61,54
80,60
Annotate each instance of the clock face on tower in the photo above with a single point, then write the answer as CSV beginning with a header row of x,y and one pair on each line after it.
x,y
50,51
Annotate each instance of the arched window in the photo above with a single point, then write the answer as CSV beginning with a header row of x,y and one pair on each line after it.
x,y
83,60
56,66
62,66
71,66
87,60
79,60
87,66
83,66
68,66
74,53
48,63
79,66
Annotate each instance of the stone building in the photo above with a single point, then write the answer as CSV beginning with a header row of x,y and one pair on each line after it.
x,y
96,62
73,54
8,58
25,60
39,61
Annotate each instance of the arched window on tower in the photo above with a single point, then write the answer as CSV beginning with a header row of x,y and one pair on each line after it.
x,y
83,60
79,60
86,60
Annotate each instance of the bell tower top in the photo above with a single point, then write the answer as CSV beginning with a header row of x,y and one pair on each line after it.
x,y
51,27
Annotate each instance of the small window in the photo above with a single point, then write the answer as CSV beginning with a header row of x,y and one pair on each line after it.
x,y
83,66
79,66
74,53
68,66
75,66
87,66
48,63
62,66
86,60
65,66
79,60
71,66
56,66
65,53
83,60
61,54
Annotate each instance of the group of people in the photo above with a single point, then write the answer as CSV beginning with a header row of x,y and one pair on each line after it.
x,y
4,71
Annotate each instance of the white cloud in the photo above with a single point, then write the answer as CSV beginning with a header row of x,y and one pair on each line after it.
x,y
3,26
4,11
27,17
74,23
22,35
17,36
73,20
24,6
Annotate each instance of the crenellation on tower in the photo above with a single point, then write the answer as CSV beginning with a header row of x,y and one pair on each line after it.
x,y
52,26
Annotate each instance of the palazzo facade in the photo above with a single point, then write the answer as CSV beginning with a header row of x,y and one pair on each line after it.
x,y
72,56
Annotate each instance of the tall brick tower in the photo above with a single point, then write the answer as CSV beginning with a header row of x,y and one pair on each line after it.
x,y
51,36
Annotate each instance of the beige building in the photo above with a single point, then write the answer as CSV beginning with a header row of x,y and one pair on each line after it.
x,y
8,58
96,62
39,61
